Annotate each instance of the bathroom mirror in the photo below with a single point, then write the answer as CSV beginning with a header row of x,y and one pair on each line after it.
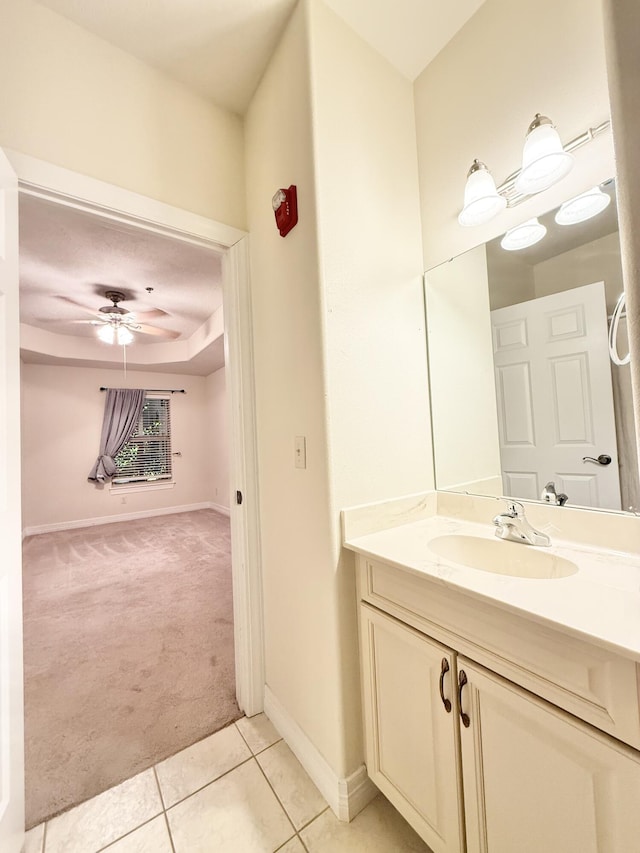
x,y
525,399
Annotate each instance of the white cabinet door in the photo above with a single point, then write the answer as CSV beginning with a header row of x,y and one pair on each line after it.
x,y
555,397
411,738
539,781
11,724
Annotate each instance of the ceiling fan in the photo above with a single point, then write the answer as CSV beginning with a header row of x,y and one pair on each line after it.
x,y
117,325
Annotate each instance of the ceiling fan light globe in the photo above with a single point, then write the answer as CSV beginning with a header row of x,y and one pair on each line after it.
x,y
106,333
124,336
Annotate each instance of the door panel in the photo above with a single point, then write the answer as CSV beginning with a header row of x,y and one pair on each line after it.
x,y
535,779
11,709
555,398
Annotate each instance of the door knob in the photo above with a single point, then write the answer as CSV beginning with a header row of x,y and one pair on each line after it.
x,y
603,459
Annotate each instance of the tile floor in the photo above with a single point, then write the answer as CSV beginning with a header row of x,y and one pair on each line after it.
x,y
241,790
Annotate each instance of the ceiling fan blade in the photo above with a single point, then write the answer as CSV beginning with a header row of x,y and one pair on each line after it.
x,y
154,330
154,314
75,304
89,322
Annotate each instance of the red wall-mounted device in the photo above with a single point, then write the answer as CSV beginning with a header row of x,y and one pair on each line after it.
x,y
285,207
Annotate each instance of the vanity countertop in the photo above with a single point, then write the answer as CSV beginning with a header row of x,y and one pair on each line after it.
x,y
600,603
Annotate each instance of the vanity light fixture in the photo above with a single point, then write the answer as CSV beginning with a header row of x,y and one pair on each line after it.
x,y
582,207
523,236
544,162
481,198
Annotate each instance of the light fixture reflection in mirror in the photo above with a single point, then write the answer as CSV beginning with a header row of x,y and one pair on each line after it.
x,y
523,236
508,415
582,207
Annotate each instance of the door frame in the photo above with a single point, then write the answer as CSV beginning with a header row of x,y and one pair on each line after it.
x,y
54,183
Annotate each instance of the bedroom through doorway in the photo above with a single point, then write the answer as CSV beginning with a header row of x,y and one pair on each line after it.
x,y
128,611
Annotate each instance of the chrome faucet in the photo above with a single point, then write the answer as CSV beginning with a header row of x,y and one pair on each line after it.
x,y
513,526
550,496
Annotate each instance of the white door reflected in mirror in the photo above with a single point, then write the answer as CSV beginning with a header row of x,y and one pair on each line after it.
x,y
518,402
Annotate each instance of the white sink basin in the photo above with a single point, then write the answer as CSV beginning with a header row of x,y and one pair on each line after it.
x,y
501,557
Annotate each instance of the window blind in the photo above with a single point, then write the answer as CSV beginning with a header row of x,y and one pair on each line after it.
x,y
147,455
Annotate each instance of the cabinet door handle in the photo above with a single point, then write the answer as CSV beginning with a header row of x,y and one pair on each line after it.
x,y
462,680
444,669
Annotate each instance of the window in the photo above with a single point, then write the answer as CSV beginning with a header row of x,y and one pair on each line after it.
x,y
146,457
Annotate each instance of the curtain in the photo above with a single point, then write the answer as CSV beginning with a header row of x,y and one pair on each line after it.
x,y
122,410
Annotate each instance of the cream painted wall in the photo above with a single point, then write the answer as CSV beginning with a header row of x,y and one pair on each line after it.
x,y
478,96
302,652
463,393
511,278
218,453
370,267
596,261
74,100
373,311
62,409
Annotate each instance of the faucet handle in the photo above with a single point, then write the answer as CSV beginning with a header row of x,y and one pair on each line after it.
x,y
514,508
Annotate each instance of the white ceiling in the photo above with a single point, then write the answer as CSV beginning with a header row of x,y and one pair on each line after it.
x,y
409,33
220,48
68,259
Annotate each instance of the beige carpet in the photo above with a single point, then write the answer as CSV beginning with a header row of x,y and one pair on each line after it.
x,y
128,633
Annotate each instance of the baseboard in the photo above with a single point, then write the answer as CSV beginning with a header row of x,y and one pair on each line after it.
x,y
345,796
219,508
125,516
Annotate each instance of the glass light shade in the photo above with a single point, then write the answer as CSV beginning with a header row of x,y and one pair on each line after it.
x,y
481,199
523,236
124,336
544,161
582,207
106,333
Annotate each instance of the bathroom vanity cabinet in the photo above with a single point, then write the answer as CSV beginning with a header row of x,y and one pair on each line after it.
x,y
491,732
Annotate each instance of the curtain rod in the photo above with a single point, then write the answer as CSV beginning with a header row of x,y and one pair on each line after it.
x,y
154,390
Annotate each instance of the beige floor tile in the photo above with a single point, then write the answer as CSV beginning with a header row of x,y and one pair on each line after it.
x,y
33,840
100,821
297,793
258,732
377,829
238,813
153,837
293,846
197,765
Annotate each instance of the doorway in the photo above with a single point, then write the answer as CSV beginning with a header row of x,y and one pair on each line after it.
x,y
113,205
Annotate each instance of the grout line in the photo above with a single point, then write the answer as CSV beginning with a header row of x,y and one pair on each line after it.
x,y
164,810
284,843
155,776
237,727
44,837
166,820
126,834
249,747
265,748
282,806
301,840
212,782
309,822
